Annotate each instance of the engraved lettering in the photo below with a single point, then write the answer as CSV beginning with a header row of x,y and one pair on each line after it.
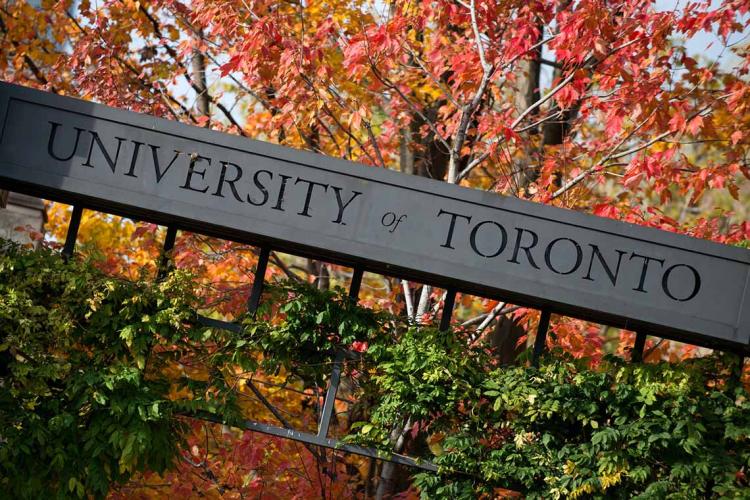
x,y
223,180
696,282
644,270
612,275
454,216
261,187
527,248
501,246
342,206
194,159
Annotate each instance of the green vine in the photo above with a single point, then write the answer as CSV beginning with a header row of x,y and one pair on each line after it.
x,y
86,397
89,394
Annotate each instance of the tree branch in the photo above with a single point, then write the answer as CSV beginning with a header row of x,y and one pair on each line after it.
x,y
196,88
514,126
412,106
408,299
613,155
467,110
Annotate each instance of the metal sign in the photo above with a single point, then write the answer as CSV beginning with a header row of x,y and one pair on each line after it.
x,y
244,190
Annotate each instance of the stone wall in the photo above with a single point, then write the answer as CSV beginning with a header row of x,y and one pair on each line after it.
x,y
20,211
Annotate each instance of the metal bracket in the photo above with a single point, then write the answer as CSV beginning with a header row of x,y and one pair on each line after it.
x,y
540,342
636,355
72,235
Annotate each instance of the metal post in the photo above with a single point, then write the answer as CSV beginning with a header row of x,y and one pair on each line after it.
x,y
356,283
169,240
636,355
450,301
541,336
333,385
329,403
70,238
737,375
260,273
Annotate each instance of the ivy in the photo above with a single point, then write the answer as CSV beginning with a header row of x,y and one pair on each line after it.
x,y
98,374
300,329
88,393
564,430
620,431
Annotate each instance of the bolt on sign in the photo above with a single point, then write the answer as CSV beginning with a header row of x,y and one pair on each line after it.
x,y
227,186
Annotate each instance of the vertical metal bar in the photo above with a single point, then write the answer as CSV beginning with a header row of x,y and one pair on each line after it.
x,y
450,301
737,375
329,403
70,238
169,240
541,336
260,274
636,355
356,283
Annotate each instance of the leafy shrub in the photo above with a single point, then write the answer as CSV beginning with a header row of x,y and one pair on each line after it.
x,y
86,394
621,431
93,389
563,430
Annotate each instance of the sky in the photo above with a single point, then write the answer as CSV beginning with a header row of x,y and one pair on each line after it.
x,y
705,44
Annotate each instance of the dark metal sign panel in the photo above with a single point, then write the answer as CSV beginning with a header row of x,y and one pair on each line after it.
x,y
479,242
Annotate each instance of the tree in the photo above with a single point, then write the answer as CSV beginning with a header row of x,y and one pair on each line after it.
x,y
629,125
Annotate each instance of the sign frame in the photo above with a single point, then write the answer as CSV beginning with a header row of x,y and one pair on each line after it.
x,y
21,108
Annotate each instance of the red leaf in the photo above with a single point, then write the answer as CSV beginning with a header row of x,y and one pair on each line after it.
x,y
736,137
694,126
606,210
677,123
614,125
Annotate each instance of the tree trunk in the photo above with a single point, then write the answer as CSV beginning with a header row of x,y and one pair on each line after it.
x,y
320,273
527,171
406,155
202,99
398,438
504,338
